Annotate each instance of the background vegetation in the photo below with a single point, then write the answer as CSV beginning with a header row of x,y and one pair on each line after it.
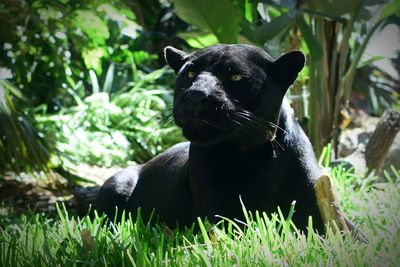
x,y
89,81
83,81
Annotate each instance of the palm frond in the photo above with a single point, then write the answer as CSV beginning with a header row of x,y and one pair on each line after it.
x,y
22,148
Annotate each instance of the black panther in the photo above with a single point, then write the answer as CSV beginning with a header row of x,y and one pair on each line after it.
x,y
244,143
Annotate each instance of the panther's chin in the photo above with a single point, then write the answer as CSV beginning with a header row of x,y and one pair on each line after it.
x,y
202,132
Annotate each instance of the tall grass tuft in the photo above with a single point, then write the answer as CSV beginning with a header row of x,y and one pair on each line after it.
x,y
262,239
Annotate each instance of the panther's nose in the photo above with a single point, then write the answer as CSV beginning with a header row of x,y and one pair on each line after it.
x,y
195,98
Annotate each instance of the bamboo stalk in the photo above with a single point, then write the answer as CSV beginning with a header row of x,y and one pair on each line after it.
x,y
343,53
313,109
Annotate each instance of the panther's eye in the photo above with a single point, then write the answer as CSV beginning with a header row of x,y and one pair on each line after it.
x,y
191,74
236,77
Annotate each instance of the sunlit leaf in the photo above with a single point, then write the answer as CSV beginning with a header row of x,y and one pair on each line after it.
x,y
199,39
94,27
107,87
92,58
248,11
244,9
95,82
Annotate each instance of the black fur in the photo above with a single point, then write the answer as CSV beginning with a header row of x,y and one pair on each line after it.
x,y
244,142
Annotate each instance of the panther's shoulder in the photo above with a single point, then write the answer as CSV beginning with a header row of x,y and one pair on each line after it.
x,y
174,158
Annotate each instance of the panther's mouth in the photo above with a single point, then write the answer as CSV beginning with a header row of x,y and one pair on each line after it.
x,y
203,131
202,123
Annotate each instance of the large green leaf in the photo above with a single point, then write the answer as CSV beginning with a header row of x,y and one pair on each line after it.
x,y
219,17
311,41
390,9
270,29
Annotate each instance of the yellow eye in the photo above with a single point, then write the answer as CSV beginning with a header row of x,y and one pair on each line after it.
x,y
236,77
191,74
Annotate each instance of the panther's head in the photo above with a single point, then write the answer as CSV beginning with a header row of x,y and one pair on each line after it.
x,y
230,92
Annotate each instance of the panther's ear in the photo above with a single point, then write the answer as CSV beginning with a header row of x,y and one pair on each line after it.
x,y
174,58
288,66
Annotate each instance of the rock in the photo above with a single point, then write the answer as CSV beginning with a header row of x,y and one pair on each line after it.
x,y
350,139
359,133
382,151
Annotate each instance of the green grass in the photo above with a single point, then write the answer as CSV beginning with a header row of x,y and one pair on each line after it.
x,y
265,240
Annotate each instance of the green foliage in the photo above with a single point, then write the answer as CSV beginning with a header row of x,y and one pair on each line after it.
x,y
383,89
269,30
311,41
51,46
260,240
109,129
22,147
94,27
92,89
206,14
84,65
393,8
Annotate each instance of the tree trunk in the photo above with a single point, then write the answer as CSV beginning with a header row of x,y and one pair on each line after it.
x,y
381,140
